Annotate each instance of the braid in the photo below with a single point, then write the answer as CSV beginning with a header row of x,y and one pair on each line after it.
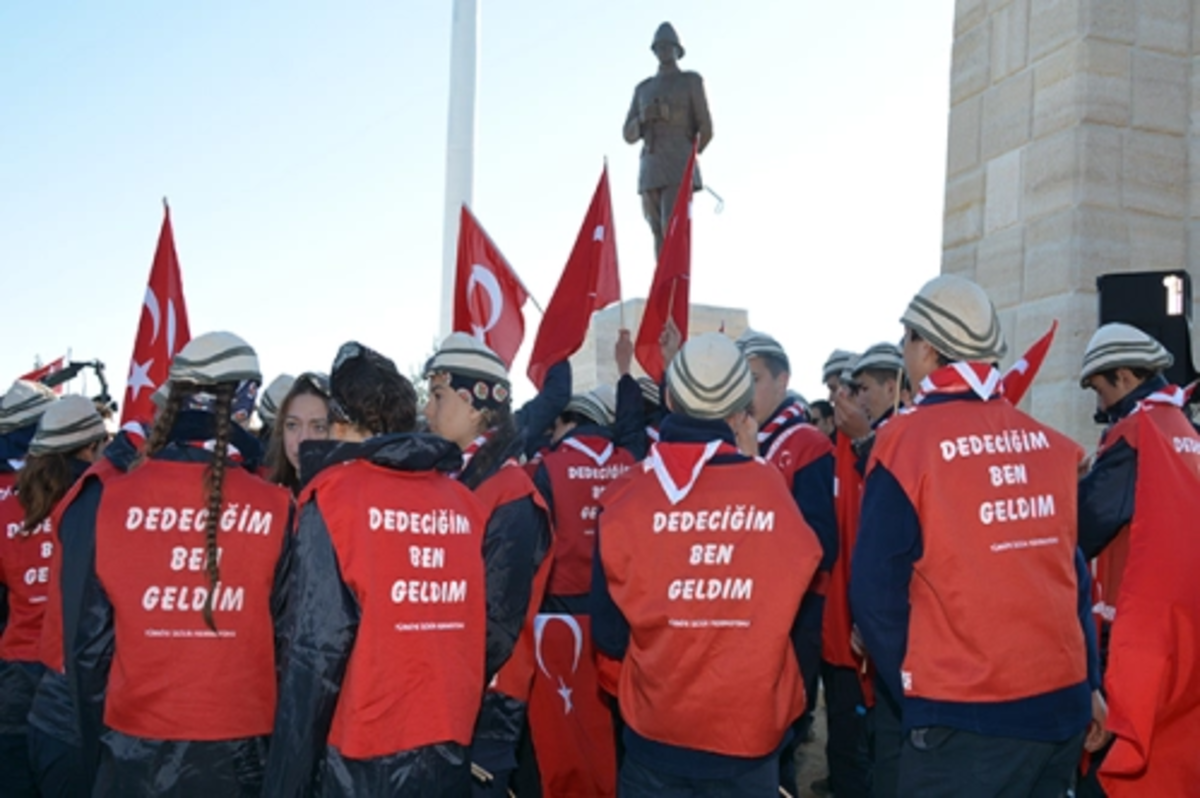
x,y
214,482
160,434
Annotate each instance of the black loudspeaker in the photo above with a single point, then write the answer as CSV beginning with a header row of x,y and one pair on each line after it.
x,y
1159,304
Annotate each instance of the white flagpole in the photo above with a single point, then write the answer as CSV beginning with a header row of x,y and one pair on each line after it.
x,y
460,140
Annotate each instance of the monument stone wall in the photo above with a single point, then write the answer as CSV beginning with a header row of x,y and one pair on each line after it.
x,y
1074,136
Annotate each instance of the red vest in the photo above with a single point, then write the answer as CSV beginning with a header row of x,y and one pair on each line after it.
x,y
579,470
407,544
710,587
994,597
172,677
50,647
1153,677
512,483
837,622
795,447
1179,432
25,571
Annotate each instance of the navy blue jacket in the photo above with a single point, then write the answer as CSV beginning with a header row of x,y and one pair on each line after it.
x,y
1106,491
889,543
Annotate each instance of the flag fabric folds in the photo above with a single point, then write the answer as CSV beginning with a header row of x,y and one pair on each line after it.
x,y
1020,375
668,296
589,282
488,295
162,331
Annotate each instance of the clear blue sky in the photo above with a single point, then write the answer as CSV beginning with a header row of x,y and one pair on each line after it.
x,y
302,146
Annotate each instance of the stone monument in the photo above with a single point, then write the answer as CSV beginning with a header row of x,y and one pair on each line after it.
x,y
1073,144
669,111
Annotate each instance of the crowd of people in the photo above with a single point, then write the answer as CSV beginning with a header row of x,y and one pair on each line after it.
x,y
637,590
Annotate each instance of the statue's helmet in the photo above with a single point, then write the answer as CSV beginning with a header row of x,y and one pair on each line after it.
x,y
666,33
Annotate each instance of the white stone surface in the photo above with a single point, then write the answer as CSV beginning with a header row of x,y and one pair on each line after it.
x,y
1074,151
594,363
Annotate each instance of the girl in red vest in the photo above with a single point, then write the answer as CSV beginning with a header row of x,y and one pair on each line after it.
x,y
22,592
54,742
470,405
171,580
383,665
69,438
303,415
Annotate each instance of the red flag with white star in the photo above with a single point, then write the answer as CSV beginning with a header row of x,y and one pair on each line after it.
x,y
589,282
162,332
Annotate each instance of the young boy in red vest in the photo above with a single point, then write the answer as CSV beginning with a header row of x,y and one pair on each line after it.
x,y
804,456
1124,367
966,582
383,663
703,561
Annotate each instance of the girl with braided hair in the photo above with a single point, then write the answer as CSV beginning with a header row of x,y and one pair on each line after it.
x,y
172,577
470,405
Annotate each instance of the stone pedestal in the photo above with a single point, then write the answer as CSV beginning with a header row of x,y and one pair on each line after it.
x,y
1073,131
594,364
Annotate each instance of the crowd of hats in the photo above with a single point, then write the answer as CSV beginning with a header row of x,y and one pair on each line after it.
x,y
709,378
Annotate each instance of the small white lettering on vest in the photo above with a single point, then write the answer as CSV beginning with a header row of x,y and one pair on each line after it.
x,y
1022,508
732,588
1011,441
430,522
1008,474
711,554
193,559
234,518
1187,445
731,518
426,557
176,598
605,473
416,591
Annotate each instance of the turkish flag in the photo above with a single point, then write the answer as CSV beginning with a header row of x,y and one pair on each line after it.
x,y
569,716
1153,676
588,283
162,332
1020,375
669,292
39,374
487,292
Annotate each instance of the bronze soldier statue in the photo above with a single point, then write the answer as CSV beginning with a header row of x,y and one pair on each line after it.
x,y
668,112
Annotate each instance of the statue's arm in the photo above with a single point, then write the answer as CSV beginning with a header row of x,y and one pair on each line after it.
x,y
633,127
704,127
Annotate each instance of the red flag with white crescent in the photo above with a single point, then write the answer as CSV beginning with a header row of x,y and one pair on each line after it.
x,y
589,282
1020,375
488,295
569,716
669,292
162,331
